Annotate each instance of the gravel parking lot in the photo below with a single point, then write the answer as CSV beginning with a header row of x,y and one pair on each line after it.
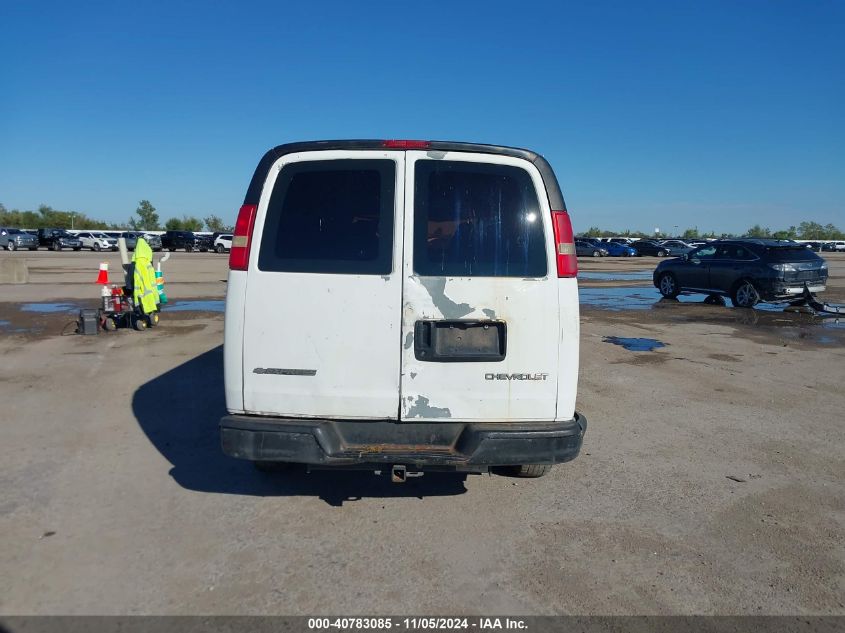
x,y
712,478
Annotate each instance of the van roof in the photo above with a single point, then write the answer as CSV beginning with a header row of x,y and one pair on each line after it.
x,y
549,180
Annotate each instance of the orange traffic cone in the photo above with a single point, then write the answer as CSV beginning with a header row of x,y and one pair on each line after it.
x,y
103,277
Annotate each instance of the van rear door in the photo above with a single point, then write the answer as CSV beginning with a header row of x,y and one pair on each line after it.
x,y
322,328
480,322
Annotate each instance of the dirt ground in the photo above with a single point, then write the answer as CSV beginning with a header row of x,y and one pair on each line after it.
x,y
712,477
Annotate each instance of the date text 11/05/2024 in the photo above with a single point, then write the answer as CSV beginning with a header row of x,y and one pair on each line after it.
x,y
414,623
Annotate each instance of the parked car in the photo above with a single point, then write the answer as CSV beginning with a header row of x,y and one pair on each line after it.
x,y
621,240
174,240
835,247
153,240
649,247
617,249
223,243
97,241
131,238
676,248
748,271
12,239
589,249
322,283
57,239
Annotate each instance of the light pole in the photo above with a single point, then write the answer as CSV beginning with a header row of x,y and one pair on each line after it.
x,y
71,219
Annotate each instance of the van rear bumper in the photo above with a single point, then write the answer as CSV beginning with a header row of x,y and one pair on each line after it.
x,y
363,442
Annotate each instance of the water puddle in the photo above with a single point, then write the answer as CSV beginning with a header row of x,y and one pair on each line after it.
x,y
620,297
49,308
635,344
637,275
205,305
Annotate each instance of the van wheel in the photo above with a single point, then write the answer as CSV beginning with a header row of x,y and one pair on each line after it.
x,y
745,295
532,471
668,286
271,467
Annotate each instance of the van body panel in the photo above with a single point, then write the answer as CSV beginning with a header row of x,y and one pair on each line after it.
x,y
323,344
569,348
233,340
523,385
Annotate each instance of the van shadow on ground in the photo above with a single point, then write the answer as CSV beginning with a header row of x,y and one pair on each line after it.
x,y
179,412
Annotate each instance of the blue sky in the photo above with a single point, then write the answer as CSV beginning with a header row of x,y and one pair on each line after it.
x,y
711,114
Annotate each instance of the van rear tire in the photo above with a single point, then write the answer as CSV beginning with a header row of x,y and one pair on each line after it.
x,y
525,471
271,467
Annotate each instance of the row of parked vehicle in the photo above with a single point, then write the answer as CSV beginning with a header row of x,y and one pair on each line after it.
x,y
12,239
627,247
623,247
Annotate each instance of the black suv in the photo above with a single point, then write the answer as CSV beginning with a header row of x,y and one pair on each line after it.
x,y
748,271
57,239
649,247
172,240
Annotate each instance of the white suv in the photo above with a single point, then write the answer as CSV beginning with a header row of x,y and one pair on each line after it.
x,y
403,305
97,241
223,243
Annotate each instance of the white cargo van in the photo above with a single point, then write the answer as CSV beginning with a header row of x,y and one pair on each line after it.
x,y
402,305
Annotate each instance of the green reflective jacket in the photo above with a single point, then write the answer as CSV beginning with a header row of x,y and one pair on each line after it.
x,y
145,291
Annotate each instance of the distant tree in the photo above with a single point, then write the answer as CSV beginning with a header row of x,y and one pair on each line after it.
x,y
173,224
191,223
147,217
690,234
184,223
215,224
758,231
787,234
833,233
593,231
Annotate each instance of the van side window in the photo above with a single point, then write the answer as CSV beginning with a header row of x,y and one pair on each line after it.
x,y
476,219
331,216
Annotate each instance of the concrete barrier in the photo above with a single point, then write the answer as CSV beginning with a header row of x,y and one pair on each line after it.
x,y
13,270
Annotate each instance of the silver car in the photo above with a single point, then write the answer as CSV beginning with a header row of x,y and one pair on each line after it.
x,y
13,239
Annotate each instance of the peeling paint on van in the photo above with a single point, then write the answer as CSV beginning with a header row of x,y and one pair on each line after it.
x,y
436,288
491,314
422,409
409,340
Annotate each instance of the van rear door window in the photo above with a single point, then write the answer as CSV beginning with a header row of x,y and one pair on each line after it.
x,y
332,216
476,219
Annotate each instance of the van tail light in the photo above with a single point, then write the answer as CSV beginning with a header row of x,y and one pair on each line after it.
x,y
567,262
242,238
